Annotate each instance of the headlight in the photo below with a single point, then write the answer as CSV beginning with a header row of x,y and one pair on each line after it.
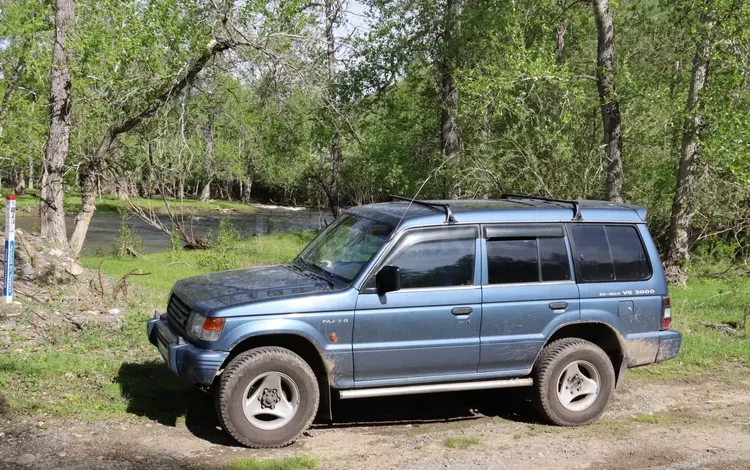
x,y
205,328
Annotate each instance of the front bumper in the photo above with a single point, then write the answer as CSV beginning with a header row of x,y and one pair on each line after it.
x,y
669,345
197,366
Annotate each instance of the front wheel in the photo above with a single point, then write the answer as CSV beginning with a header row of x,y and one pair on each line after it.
x,y
573,382
267,397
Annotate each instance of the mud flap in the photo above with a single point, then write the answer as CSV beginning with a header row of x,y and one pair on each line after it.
x,y
621,371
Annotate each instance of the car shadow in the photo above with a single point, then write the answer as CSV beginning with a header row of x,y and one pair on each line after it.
x,y
154,392
510,404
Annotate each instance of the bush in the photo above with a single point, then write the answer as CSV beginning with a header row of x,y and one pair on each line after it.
x,y
223,255
128,243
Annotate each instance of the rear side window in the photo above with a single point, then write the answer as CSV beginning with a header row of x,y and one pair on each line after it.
x,y
605,253
511,261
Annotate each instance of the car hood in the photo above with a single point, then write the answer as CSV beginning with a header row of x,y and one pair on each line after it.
x,y
229,288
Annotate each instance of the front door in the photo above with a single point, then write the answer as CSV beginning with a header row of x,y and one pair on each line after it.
x,y
429,328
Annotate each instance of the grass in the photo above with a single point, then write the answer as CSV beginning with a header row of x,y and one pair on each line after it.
x,y
646,418
168,268
28,204
290,463
462,442
100,372
714,301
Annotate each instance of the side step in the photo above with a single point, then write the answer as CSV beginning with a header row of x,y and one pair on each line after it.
x,y
433,388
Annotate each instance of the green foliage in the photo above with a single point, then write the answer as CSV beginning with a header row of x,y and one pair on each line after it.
x,y
527,121
128,243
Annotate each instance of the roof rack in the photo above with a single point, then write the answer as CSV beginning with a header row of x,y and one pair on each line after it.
x,y
446,208
574,204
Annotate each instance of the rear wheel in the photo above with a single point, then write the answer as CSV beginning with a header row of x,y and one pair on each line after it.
x,y
267,397
573,382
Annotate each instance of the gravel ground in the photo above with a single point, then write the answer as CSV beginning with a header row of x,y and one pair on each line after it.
x,y
698,423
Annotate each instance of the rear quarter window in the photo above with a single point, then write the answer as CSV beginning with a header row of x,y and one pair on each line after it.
x,y
608,253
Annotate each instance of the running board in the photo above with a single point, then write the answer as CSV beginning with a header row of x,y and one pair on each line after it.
x,y
433,388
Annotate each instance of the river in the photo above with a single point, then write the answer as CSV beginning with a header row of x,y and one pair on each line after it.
x,y
104,228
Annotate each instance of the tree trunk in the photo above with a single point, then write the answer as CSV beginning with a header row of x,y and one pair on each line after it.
x,y
30,184
208,161
605,80
693,127
450,144
58,139
87,178
560,42
332,8
17,178
247,186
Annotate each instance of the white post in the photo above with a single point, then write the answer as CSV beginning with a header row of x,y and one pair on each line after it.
x,y
10,248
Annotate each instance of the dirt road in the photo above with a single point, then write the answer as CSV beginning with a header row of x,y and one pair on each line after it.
x,y
697,423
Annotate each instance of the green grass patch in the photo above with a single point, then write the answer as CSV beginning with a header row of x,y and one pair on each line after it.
x,y
713,301
462,442
168,268
646,418
29,204
290,463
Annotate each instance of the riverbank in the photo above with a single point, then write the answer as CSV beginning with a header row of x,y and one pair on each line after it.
x,y
28,205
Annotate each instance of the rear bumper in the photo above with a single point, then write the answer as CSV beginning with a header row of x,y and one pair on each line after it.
x,y
197,366
669,345
655,346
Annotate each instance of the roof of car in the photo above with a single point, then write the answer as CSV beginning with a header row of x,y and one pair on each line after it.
x,y
404,214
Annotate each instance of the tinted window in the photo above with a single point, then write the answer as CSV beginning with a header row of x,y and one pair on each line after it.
x,y
510,261
437,263
610,253
592,253
554,257
628,254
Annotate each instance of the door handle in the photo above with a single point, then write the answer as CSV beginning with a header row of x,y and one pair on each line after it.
x,y
462,311
558,305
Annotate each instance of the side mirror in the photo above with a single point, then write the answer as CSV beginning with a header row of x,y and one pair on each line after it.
x,y
388,279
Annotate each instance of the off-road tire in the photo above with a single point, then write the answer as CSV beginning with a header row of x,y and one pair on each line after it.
x,y
241,372
552,361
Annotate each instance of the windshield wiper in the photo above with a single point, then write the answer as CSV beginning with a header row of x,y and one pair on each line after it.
x,y
317,271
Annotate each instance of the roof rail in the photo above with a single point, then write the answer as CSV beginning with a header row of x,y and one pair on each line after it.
x,y
574,204
446,208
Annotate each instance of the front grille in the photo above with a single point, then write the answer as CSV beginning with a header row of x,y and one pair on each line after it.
x,y
178,312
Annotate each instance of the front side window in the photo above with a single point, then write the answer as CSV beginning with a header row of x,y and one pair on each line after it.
x,y
606,253
512,261
346,246
434,258
437,263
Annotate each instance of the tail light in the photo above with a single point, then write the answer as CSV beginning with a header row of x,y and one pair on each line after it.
x,y
666,313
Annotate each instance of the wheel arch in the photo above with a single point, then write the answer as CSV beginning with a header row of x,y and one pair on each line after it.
x,y
299,345
602,335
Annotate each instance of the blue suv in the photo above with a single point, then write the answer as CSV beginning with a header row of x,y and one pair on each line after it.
x,y
409,297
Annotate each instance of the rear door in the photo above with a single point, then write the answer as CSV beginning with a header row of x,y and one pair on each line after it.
x,y
527,290
429,328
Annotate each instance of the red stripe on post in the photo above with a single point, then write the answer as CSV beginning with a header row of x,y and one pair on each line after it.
x,y
10,198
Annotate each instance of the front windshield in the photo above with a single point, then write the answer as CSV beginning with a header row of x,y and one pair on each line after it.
x,y
345,247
